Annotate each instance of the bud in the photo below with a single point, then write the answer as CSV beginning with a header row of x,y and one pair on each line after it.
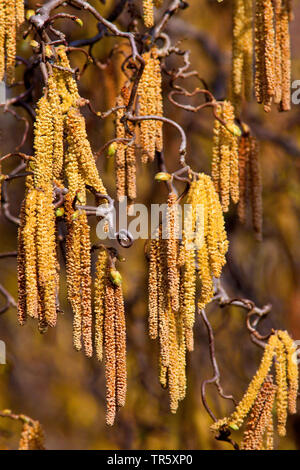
x,y
121,258
29,14
48,51
34,43
79,21
59,212
80,198
233,426
115,277
235,130
162,176
112,149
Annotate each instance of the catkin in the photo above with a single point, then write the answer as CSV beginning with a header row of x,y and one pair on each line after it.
x,y
110,332
281,350
150,103
32,436
272,53
125,160
225,157
173,274
259,420
250,183
241,52
11,21
148,13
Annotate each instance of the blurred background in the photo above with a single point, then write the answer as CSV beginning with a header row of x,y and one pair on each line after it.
x,y
44,377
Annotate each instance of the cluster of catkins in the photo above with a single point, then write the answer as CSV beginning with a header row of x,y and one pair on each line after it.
x,y
149,102
173,273
32,436
110,331
11,20
262,393
250,181
63,159
272,52
225,158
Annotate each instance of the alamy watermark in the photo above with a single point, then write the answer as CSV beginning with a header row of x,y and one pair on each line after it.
x,y
136,222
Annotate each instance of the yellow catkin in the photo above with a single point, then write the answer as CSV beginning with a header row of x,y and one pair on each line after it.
x,y
58,128
241,51
20,12
172,251
120,334
10,40
81,147
101,270
163,304
148,13
244,153
260,417
46,255
43,145
120,161
73,249
278,58
259,52
110,353
85,284
2,41
153,288
173,370
21,262
67,76
225,172
292,370
30,249
150,103
32,436
244,406
282,391
285,104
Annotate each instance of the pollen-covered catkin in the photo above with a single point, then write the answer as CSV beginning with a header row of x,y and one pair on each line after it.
x,y
32,436
148,12
272,53
260,417
225,171
172,251
241,52
292,370
101,270
280,350
236,419
150,103
282,390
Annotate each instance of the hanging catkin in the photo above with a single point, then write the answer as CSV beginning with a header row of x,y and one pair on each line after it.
x,y
150,103
260,417
110,332
173,273
281,350
32,436
11,20
272,53
148,12
125,161
250,182
225,157
242,45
